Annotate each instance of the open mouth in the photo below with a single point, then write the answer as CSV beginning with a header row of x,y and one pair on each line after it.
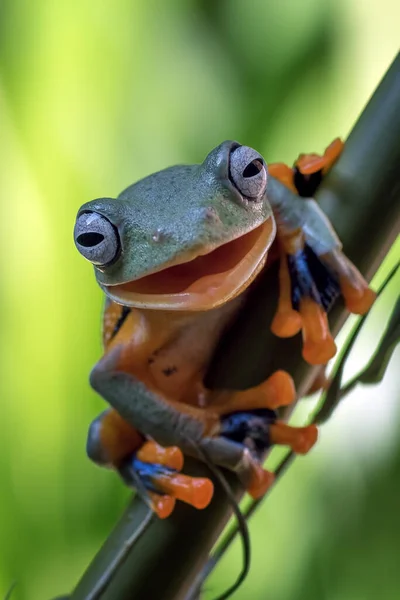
x,y
204,281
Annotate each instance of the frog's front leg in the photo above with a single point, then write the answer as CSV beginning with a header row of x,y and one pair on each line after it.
x,y
114,437
195,430
313,273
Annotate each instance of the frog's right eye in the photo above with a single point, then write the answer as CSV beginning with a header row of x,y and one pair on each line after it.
x,y
96,238
248,172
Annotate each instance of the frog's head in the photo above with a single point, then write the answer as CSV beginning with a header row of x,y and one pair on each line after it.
x,y
186,238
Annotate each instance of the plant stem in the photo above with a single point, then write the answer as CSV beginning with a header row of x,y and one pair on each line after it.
x,y
360,195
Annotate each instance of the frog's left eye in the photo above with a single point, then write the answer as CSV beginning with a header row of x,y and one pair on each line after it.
x,y
96,238
248,172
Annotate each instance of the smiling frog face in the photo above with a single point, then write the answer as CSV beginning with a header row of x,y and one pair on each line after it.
x,y
185,238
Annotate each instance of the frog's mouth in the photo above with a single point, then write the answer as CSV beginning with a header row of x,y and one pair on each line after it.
x,y
202,281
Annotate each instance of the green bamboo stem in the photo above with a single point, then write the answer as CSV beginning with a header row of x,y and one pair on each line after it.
x,y
361,197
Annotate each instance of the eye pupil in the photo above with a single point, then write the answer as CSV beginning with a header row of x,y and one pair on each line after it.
x,y
90,239
253,168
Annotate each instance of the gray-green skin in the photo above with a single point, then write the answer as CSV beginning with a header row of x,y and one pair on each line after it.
x,y
175,213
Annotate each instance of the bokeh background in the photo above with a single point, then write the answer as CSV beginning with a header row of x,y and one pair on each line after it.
x,y
94,95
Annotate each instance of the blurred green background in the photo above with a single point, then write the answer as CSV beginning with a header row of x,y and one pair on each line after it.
x,y
94,95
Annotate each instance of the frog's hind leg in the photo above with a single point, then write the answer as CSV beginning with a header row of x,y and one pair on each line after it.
x,y
162,481
244,438
145,465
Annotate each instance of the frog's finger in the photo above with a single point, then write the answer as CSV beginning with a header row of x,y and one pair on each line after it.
x,y
308,164
196,491
318,343
287,321
300,439
163,505
357,295
260,481
278,390
151,452
332,153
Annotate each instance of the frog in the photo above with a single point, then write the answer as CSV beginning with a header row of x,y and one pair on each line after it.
x,y
176,255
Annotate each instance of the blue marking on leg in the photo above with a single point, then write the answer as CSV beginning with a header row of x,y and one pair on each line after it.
x,y
148,473
250,428
311,278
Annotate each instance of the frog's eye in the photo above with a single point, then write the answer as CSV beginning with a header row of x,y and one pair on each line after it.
x,y
96,238
248,172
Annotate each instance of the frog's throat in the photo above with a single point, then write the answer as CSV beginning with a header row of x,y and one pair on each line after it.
x,y
203,282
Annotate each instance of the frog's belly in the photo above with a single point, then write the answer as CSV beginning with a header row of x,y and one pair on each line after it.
x,y
179,365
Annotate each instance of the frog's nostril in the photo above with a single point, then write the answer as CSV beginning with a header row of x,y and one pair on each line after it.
x,y
90,239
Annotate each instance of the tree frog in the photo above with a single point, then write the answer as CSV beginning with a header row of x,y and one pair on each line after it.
x,y
176,255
